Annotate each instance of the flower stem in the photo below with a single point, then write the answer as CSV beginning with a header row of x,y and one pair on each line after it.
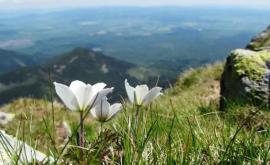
x,y
101,133
81,135
52,106
101,127
137,120
137,115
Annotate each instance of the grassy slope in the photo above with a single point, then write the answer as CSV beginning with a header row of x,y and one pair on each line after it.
x,y
208,132
183,126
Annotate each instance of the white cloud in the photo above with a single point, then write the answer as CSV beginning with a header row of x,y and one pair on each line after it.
x,y
15,43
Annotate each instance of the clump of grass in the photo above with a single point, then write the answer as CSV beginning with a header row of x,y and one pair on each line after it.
x,y
183,126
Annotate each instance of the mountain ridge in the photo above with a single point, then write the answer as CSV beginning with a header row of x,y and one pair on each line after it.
x,y
79,64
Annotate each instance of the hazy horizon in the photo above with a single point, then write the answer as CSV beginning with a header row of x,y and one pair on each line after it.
x,y
50,4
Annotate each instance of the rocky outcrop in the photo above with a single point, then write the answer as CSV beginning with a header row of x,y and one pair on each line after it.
x,y
245,79
261,41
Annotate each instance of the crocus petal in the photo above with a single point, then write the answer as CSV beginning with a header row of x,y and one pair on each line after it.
x,y
153,93
83,95
100,96
98,87
104,109
114,109
101,111
67,96
130,91
79,90
11,146
140,92
93,112
75,85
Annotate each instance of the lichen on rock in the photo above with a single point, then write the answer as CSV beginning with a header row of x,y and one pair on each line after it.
x,y
250,63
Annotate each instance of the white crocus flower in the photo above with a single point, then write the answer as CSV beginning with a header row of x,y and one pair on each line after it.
x,y
80,96
103,111
11,147
141,95
6,117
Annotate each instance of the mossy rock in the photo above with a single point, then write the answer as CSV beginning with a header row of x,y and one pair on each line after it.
x,y
245,78
251,64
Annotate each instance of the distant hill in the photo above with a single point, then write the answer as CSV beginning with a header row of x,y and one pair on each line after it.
x,y
11,60
82,64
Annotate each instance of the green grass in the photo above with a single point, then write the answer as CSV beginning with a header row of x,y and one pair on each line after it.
x,y
184,126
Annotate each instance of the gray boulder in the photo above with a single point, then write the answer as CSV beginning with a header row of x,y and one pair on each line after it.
x,y
245,79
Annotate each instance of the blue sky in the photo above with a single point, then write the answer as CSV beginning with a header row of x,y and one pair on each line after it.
x,y
14,4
